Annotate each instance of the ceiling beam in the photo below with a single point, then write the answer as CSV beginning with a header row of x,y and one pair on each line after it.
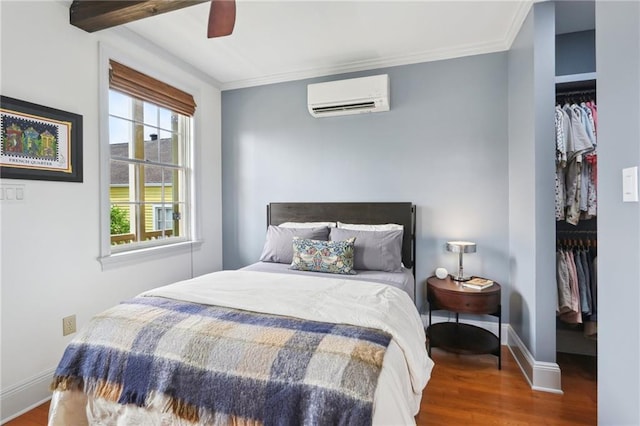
x,y
93,15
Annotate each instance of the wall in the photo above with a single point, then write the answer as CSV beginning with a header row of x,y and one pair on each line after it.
x,y
576,52
50,241
618,67
443,146
531,174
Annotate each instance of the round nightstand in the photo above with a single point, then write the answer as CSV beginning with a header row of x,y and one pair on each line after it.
x,y
450,295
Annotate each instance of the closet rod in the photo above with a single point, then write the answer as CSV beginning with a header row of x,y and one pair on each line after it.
x,y
575,238
576,243
577,92
576,232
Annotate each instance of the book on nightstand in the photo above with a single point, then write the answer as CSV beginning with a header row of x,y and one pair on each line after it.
x,y
477,283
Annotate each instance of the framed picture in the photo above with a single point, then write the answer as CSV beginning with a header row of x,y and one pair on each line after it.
x,y
39,142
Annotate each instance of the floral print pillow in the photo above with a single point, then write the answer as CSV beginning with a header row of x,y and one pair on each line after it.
x,y
334,257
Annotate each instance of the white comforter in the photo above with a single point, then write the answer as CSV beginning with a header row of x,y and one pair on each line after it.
x,y
406,368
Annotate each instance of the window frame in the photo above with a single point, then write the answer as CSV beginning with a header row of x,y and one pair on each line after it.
x,y
136,159
108,256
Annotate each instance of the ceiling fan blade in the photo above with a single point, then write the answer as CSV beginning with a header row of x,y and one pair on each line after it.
x,y
222,18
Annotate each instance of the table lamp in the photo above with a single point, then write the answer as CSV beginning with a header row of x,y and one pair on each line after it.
x,y
461,247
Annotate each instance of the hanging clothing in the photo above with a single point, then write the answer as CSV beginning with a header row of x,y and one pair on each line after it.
x,y
580,143
591,326
574,315
562,281
576,141
592,199
562,132
576,282
587,122
582,283
594,288
572,182
594,115
575,180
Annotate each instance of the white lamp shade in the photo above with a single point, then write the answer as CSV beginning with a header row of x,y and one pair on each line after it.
x,y
461,247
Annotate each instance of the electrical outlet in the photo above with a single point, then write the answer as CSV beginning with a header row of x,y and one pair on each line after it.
x,y
68,325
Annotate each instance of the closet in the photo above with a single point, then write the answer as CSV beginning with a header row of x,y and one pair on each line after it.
x,y
576,188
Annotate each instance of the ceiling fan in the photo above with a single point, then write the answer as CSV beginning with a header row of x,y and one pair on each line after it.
x,y
222,18
95,15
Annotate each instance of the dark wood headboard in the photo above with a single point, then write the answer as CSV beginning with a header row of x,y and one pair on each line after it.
x,y
365,213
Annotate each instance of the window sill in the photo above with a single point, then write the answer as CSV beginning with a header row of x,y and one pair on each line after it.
x,y
126,258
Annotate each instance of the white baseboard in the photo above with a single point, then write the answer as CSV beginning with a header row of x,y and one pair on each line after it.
x,y
542,376
24,396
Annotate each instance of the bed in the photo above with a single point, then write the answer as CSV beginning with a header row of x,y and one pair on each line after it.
x,y
302,341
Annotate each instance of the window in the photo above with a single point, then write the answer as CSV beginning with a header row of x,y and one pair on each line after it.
x,y
163,218
149,161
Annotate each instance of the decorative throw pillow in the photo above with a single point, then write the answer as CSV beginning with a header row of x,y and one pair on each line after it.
x,y
278,244
334,257
374,250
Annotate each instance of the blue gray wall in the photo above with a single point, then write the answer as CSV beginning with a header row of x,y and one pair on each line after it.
x,y
618,64
576,52
531,183
443,146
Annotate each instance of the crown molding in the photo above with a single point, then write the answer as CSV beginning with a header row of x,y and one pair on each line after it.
x,y
518,19
390,61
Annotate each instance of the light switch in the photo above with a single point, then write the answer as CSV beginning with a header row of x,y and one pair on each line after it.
x,y
630,184
11,193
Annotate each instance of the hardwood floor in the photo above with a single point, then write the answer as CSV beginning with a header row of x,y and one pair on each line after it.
x,y
470,390
36,417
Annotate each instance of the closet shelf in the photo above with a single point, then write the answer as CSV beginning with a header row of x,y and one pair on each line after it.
x,y
572,78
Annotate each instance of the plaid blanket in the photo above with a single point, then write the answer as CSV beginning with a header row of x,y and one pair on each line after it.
x,y
214,365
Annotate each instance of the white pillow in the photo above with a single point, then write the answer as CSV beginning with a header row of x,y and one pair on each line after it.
x,y
362,227
307,225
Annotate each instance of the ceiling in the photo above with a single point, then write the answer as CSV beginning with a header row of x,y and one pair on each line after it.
x,y
275,41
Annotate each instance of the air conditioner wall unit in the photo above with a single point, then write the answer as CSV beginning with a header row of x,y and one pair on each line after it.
x,y
351,96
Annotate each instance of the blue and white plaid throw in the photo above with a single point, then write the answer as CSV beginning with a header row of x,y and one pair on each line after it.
x,y
210,364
